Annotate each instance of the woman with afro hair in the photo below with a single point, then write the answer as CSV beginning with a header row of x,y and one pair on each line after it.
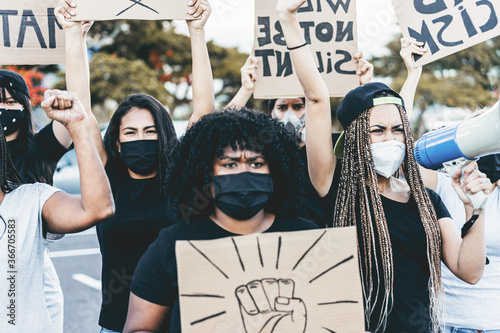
x,y
236,172
233,173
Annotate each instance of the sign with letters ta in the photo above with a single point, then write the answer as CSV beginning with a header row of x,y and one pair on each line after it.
x,y
30,33
329,28
447,26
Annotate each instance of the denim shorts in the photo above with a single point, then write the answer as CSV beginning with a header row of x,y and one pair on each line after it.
x,y
449,329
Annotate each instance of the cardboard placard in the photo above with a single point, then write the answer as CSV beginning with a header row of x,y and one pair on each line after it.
x,y
30,33
331,31
99,10
256,283
447,27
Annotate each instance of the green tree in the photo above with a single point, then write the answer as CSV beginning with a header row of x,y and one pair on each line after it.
x,y
467,79
167,53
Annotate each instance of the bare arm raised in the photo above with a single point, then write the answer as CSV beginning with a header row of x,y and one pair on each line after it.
x,y
77,66
410,47
320,157
65,213
248,78
203,87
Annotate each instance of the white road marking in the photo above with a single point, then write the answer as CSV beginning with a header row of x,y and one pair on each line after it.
x,y
73,253
88,281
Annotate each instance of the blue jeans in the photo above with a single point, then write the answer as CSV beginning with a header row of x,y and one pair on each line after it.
x,y
105,330
449,329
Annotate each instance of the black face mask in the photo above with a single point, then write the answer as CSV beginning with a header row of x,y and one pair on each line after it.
x,y
11,120
140,156
243,195
490,165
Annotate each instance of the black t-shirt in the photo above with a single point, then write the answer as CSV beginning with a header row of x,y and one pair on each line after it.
x,y
155,279
318,209
48,150
140,214
410,311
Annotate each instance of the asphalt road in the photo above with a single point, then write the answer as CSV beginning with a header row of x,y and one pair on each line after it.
x,y
78,264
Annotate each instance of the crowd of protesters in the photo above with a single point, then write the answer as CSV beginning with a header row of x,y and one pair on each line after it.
x,y
275,171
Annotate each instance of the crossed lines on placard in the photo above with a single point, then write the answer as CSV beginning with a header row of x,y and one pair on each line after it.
x,y
136,2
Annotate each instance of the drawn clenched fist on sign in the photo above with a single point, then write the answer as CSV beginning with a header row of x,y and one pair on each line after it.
x,y
268,306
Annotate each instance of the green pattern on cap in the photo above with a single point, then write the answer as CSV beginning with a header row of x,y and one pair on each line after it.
x,y
387,100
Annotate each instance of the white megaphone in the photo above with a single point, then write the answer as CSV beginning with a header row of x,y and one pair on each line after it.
x,y
453,147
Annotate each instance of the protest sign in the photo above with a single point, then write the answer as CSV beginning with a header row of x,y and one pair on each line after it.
x,y
256,283
31,34
329,28
446,27
98,10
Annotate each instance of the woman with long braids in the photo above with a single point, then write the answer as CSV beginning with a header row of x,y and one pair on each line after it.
x,y
135,153
35,156
404,230
27,210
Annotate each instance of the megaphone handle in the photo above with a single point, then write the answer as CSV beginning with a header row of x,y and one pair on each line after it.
x,y
478,199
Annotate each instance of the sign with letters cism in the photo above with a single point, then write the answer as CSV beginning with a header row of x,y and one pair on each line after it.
x,y
447,26
30,33
99,10
293,282
330,29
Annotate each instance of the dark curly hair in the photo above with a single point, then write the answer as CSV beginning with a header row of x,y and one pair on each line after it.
x,y
191,171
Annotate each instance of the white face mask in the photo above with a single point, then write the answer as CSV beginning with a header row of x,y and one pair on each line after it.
x,y
293,123
388,156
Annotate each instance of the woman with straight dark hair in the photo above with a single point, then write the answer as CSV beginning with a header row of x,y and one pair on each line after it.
x,y
124,155
34,161
136,159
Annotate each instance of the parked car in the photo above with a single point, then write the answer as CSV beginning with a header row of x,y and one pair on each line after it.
x,y
67,177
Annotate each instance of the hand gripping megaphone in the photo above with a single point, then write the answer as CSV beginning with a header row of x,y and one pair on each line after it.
x,y
453,147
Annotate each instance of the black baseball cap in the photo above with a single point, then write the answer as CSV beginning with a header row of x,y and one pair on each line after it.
x,y
357,101
9,79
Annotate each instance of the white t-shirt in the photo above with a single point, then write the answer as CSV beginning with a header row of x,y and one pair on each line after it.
x,y
22,260
473,306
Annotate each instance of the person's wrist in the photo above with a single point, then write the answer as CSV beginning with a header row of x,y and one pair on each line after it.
x,y
73,29
469,209
285,15
196,30
78,129
246,88
414,71
74,33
